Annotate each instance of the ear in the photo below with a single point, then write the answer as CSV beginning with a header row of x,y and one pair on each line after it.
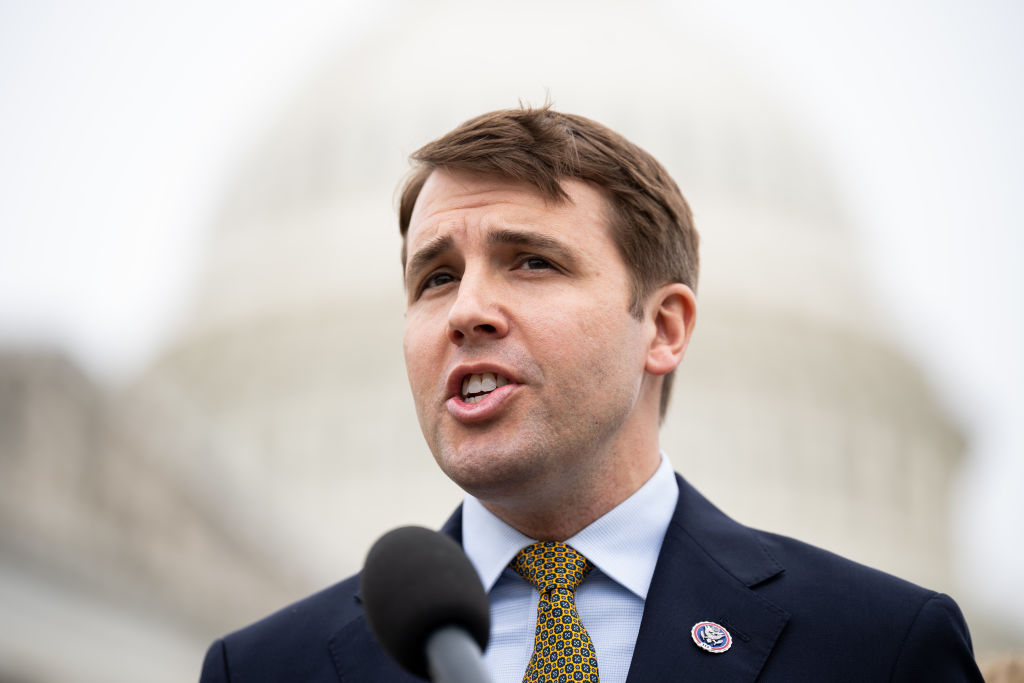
x,y
673,309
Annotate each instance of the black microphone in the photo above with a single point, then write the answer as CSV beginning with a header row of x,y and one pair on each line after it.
x,y
425,604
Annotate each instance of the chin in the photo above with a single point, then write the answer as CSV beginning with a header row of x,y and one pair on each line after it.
x,y
488,472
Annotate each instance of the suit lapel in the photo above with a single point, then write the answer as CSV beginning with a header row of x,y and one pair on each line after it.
x,y
705,572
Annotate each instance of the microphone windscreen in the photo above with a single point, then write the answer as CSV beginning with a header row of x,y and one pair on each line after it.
x,y
415,582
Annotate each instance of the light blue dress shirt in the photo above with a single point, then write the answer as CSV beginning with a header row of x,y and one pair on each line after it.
x,y
623,545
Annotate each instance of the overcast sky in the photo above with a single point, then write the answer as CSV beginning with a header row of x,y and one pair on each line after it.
x,y
919,104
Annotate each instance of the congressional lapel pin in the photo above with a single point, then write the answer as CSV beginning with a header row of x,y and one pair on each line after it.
x,y
711,637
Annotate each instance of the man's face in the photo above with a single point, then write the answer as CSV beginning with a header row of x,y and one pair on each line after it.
x,y
525,364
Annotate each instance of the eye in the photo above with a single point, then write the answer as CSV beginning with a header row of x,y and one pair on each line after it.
x,y
535,263
435,280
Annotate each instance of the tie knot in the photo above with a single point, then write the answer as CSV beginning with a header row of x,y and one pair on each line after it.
x,y
550,564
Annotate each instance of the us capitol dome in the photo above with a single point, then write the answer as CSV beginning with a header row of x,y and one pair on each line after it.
x,y
794,410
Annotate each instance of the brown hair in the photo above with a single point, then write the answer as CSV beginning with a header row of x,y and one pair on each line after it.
x,y
651,221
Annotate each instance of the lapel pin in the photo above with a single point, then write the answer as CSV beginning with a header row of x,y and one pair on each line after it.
x,y
711,637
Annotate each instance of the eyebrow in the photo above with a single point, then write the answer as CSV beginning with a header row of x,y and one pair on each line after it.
x,y
532,240
439,245
428,253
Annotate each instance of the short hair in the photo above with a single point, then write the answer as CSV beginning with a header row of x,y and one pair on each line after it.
x,y
651,222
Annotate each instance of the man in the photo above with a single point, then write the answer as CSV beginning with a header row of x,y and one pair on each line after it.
x,y
550,268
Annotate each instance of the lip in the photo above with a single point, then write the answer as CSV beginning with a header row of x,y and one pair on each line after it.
x,y
486,407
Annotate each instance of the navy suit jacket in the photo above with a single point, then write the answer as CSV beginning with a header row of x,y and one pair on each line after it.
x,y
796,613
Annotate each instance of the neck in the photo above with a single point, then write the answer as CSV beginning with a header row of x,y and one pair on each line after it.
x,y
557,513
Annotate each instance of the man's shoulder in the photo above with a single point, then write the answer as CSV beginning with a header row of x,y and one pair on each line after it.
x,y
851,609
334,604
775,564
293,643
814,566
828,584
812,579
325,611
817,612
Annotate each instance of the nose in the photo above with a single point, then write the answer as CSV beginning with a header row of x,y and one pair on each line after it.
x,y
477,313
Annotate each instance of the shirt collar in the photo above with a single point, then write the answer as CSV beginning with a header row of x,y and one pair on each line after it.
x,y
624,543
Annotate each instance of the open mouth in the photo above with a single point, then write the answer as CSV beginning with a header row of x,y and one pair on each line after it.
x,y
475,387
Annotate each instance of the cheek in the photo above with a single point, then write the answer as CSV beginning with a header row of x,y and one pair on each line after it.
x,y
593,340
417,359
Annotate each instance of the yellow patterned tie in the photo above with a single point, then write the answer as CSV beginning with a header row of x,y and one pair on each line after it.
x,y
562,650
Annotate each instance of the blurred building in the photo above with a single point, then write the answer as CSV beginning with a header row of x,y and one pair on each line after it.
x,y
275,437
108,545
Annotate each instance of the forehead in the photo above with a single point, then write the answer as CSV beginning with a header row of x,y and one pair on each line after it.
x,y
458,203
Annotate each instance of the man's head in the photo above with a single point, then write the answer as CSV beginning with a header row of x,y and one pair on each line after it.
x,y
541,316
651,223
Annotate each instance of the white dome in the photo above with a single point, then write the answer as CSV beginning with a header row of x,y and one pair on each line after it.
x,y
792,409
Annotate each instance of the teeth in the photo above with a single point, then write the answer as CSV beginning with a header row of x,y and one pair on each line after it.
x,y
487,382
475,387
